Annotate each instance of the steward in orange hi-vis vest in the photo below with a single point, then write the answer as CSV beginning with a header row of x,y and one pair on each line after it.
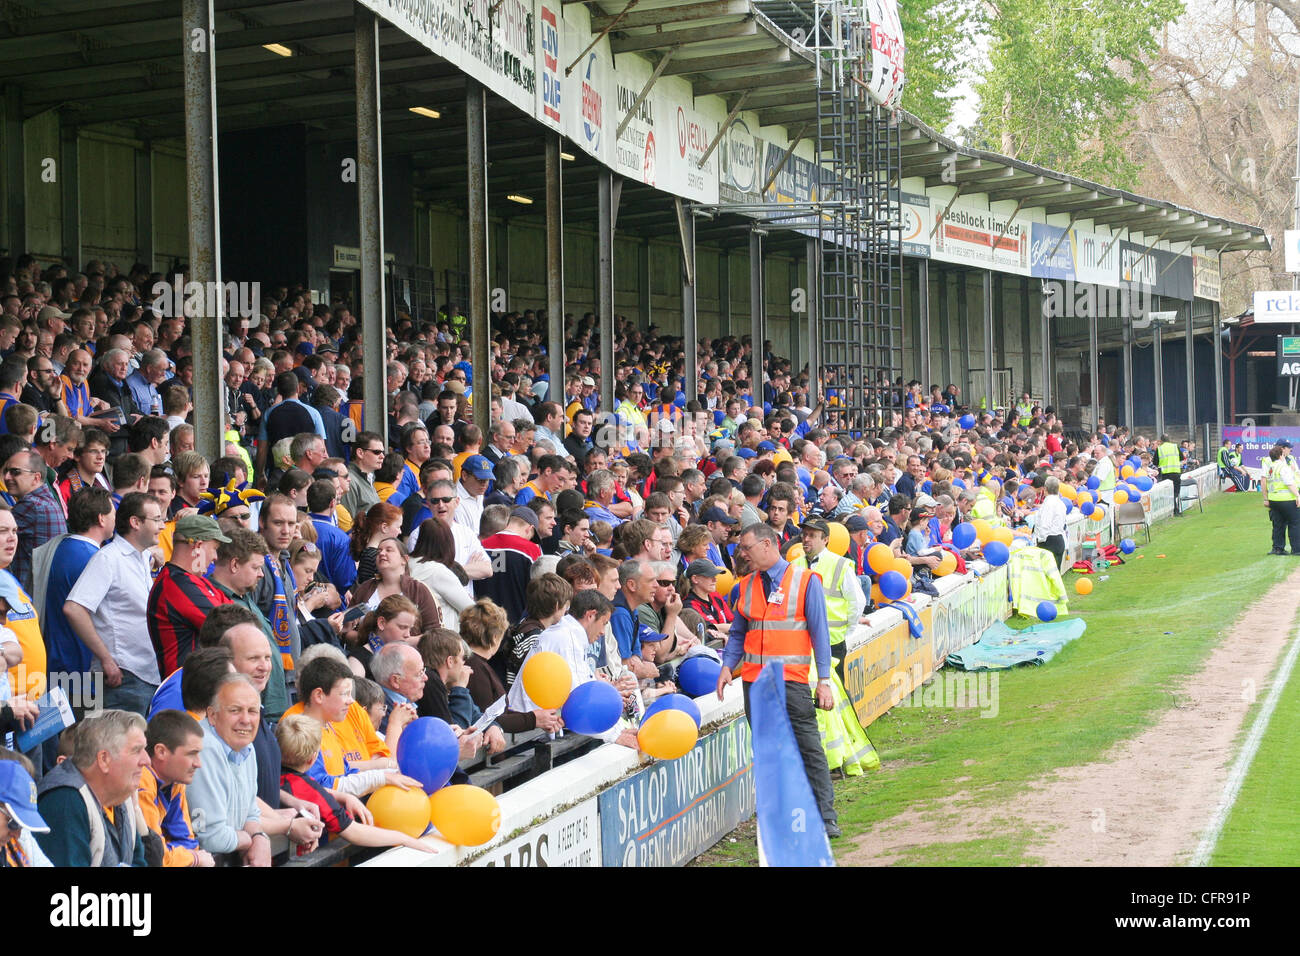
x,y
778,629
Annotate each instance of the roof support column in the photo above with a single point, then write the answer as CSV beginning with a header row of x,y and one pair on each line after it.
x,y
1049,380
479,324
923,308
1217,353
370,210
15,173
554,266
813,299
198,40
1191,373
70,170
1128,372
987,277
690,328
1158,377
1094,385
608,203
756,324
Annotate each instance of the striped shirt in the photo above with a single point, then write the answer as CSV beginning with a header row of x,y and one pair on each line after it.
x,y
179,602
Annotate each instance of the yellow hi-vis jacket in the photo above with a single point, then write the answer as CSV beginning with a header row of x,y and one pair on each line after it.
x,y
1033,577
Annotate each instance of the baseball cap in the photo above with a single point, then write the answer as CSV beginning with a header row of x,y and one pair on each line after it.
x,y
524,514
327,346
478,467
18,794
305,348
816,524
766,446
746,453
52,312
921,512
855,523
200,528
588,381
716,514
354,613
703,566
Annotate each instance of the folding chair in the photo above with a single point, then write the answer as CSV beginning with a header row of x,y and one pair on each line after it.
x,y
1188,492
1131,513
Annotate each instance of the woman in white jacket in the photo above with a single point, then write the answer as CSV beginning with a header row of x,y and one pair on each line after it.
x,y
433,562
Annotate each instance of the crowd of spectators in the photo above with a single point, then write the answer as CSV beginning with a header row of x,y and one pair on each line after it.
x,y
244,639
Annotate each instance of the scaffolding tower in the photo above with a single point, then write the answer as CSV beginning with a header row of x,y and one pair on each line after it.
x,y
860,312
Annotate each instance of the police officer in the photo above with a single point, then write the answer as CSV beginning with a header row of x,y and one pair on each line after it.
x,y
1169,464
781,617
1282,498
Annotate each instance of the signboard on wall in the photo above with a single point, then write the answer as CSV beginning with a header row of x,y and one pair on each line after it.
x,y
917,220
1206,279
1256,442
1277,306
1288,356
885,81
672,811
1073,255
1156,270
571,838
973,235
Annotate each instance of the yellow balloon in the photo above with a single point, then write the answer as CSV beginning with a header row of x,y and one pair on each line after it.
x,y
726,581
880,558
839,539
947,564
877,598
1121,497
1004,535
547,679
983,530
1126,471
1068,493
1083,586
903,567
1097,515
465,815
406,811
668,735
795,551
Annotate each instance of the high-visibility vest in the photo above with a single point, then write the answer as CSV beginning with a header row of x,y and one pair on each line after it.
x,y
1168,461
985,507
1108,482
836,574
1276,474
1026,413
778,631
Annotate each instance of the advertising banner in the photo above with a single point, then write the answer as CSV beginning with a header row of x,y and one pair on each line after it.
x,y
571,838
1256,442
497,48
1074,255
1288,356
1279,306
687,131
961,617
549,69
885,82
586,111
1156,270
917,220
869,668
1206,279
672,811
740,156
634,151
978,237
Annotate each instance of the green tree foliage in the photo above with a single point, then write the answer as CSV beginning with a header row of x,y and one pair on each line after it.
x,y
1063,78
939,35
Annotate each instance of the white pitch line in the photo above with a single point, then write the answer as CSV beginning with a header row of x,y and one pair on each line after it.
x,y
1247,756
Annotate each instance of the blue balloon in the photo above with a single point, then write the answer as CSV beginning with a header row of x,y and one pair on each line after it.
x,y
967,421
698,675
1046,611
718,416
429,752
1144,482
1094,483
673,702
958,483
1135,461
592,708
1128,545
996,553
963,536
1069,506
1087,508
893,585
